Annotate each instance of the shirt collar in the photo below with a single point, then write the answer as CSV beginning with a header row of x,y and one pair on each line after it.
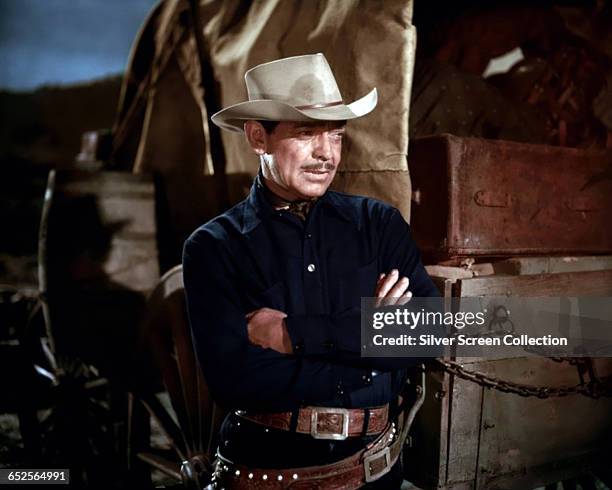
x,y
257,206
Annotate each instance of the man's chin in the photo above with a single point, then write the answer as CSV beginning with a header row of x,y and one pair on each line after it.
x,y
312,191
314,187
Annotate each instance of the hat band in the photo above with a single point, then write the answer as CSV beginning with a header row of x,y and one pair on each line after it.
x,y
319,106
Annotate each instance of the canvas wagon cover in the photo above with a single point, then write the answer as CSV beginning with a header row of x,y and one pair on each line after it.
x,y
163,124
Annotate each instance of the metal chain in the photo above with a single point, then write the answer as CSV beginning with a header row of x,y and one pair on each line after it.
x,y
593,389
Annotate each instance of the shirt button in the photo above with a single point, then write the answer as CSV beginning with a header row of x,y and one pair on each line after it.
x,y
308,235
311,268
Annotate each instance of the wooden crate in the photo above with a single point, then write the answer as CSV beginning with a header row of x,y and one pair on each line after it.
x,y
470,437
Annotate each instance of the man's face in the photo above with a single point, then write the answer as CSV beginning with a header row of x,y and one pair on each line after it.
x,y
299,159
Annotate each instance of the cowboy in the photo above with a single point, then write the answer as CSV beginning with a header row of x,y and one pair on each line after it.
x,y
273,293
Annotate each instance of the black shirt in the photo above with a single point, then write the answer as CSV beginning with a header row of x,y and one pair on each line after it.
x,y
316,271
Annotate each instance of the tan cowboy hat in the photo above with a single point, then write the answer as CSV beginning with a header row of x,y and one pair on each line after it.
x,y
300,88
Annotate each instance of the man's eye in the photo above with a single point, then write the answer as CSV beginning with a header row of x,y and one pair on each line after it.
x,y
338,136
304,132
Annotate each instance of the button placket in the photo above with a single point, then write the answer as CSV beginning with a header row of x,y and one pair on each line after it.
x,y
309,252
313,274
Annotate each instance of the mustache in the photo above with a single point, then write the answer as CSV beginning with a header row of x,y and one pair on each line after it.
x,y
327,166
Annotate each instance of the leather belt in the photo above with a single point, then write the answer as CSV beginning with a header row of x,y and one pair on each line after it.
x,y
327,422
367,465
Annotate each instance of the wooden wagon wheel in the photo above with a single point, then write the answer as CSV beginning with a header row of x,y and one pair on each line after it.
x,y
191,423
92,308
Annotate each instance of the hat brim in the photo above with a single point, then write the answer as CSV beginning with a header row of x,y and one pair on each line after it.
x,y
232,118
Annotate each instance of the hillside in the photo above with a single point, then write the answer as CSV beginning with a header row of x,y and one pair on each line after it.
x,y
40,130
45,126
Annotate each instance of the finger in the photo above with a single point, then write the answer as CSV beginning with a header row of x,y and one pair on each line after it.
x,y
381,276
387,284
384,294
385,290
402,300
396,291
400,287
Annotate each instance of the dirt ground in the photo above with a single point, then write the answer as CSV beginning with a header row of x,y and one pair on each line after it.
x,y
12,452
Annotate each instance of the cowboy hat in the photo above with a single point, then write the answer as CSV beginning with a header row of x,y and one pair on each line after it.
x,y
300,88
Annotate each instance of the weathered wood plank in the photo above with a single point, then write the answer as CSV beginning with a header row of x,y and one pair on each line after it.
x,y
448,272
550,265
591,283
463,272
464,433
538,434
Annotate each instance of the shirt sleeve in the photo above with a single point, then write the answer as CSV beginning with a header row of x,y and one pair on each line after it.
x,y
399,251
239,374
339,335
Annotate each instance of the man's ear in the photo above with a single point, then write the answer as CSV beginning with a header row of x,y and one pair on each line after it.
x,y
256,136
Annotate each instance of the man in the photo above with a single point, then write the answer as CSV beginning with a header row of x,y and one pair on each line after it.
x,y
273,293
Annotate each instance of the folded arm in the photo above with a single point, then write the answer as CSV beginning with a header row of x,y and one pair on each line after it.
x,y
239,373
338,336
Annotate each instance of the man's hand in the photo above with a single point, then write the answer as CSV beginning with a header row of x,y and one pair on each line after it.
x,y
266,328
392,289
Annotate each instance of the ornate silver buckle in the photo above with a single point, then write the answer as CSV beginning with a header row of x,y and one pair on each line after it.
x,y
369,476
314,419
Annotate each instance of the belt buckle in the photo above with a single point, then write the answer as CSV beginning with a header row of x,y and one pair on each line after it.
x,y
369,475
314,419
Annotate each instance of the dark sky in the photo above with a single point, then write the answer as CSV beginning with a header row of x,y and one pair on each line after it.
x,y
62,41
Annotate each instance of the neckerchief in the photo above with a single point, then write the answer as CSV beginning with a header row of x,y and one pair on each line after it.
x,y
299,208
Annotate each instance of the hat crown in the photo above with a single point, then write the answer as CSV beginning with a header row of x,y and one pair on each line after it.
x,y
299,81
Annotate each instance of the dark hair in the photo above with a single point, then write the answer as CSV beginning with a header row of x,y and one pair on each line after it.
x,y
269,126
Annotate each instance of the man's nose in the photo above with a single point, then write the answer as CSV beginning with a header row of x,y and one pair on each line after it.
x,y
323,150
